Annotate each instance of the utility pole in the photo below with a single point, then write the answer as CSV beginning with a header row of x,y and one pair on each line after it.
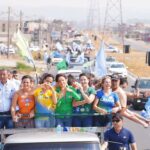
x,y
21,21
40,31
8,32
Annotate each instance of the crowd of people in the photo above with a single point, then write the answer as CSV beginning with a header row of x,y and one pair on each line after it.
x,y
62,100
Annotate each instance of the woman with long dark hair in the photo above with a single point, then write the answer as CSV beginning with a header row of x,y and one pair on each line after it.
x,y
65,97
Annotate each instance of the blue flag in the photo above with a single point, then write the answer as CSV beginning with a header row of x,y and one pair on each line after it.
x,y
100,64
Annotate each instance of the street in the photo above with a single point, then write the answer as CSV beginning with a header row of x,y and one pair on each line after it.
x,y
136,45
142,135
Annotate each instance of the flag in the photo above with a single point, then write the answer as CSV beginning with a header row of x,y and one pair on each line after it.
x,y
100,64
23,46
62,65
59,46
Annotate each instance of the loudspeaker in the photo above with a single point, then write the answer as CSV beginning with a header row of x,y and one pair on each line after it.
x,y
126,48
148,58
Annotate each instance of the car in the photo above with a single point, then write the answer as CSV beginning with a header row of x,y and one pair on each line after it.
x,y
3,48
143,84
110,60
11,50
73,72
52,141
111,48
73,62
119,68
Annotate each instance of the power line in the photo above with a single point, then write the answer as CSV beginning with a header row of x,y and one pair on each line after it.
x,y
113,18
93,19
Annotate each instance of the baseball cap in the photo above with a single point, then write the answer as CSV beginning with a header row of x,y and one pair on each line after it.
x,y
117,116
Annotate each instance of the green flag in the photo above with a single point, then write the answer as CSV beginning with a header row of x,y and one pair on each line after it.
x,y
62,65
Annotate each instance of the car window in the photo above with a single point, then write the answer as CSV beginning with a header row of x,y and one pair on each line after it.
x,y
53,146
117,66
144,84
110,59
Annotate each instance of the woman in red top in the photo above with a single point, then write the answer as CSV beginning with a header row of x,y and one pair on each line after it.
x,y
23,104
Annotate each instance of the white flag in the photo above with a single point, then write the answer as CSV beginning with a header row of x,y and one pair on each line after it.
x,y
100,64
23,46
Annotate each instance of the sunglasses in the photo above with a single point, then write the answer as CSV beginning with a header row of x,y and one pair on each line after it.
x,y
116,120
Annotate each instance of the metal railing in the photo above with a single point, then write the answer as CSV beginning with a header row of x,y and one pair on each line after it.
x,y
98,130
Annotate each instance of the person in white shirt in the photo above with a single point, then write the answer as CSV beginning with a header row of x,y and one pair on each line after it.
x,y
15,79
7,89
80,58
45,57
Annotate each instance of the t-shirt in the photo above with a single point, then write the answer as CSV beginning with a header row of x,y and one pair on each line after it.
x,y
118,140
87,108
64,104
26,105
107,102
44,103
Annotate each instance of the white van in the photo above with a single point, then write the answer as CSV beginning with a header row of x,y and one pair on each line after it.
x,y
52,141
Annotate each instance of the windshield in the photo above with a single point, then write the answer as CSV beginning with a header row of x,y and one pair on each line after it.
x,y
53,146
110,59
117,66
144,84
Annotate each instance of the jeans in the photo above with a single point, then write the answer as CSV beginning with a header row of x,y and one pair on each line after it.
x,y
103,120
42,122
64,122
6,121
80,121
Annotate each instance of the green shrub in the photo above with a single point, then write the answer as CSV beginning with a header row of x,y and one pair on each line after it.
x,y
23,67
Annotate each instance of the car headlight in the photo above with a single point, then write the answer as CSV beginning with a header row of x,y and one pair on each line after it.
x,y
138,100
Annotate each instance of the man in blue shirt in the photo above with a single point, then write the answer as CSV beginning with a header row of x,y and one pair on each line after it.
x,y
118,138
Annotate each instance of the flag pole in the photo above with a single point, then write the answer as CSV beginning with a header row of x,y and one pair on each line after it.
x,y
34,68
